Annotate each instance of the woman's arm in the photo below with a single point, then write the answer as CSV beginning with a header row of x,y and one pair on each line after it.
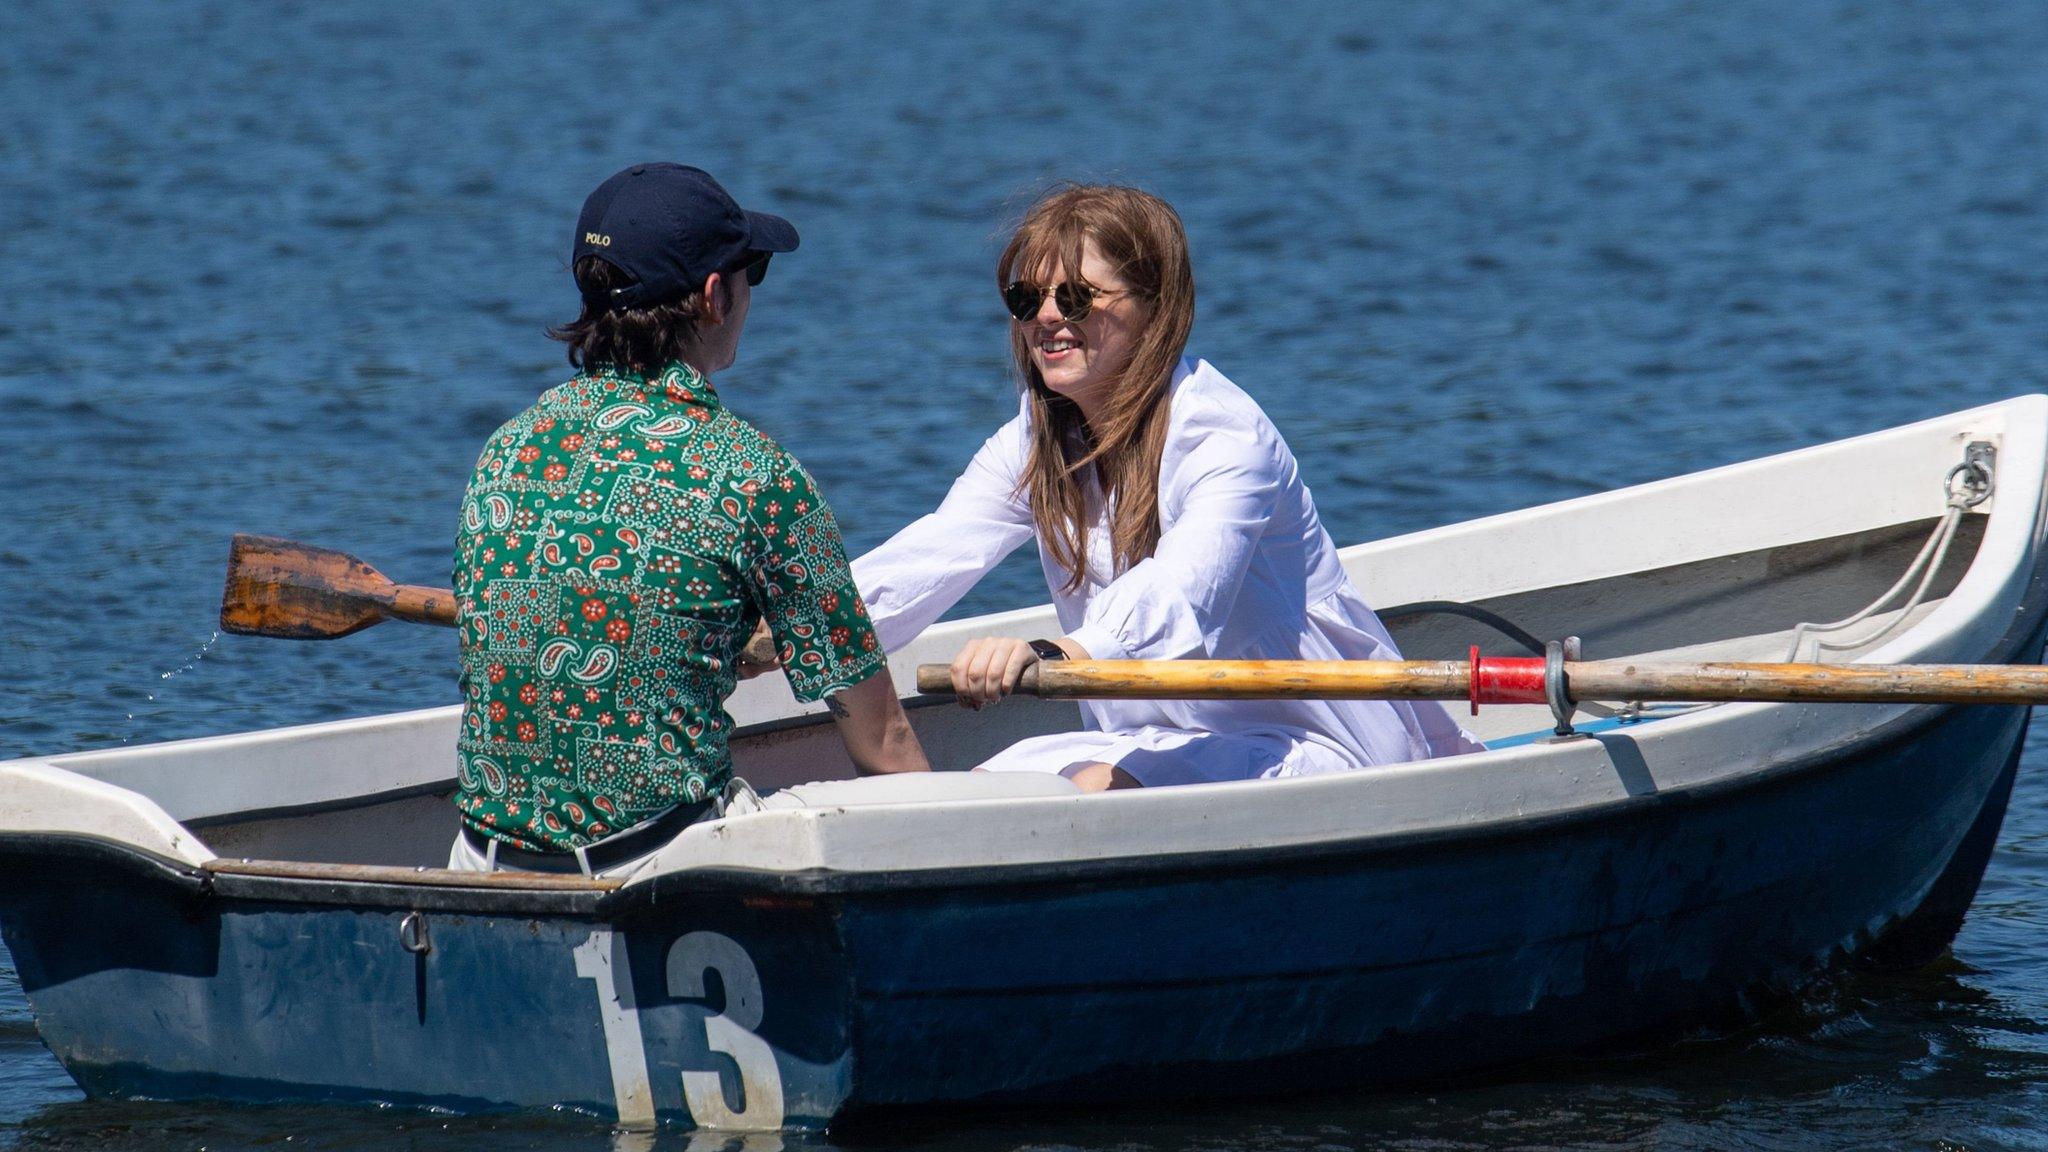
x,y
1175,603
912,579
1172,605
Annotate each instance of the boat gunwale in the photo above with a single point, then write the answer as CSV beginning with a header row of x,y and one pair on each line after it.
x,y
914,701
294,881
431,889
388,874
438,889
42,846
1240,861
2015,418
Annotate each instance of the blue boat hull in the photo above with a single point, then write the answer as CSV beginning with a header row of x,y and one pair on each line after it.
x,y
766,1001
1432,959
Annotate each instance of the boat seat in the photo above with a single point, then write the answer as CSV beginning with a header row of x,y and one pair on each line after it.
x,y
919,788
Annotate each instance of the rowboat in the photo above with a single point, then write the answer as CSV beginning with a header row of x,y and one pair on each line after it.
x,y
263,916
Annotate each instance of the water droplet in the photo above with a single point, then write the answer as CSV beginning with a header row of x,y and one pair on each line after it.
x,y
180,670
189,665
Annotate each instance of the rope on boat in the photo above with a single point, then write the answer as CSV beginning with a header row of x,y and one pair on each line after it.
x,y
1975,474
1967,485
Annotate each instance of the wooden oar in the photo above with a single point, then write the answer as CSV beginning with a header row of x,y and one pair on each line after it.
x,y
1519,680
295,591
298,592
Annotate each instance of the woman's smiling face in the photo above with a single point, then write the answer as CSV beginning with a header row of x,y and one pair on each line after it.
x,y
1079,359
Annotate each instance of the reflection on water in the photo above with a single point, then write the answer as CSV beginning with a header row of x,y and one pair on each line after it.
x,y
280,268
1863,1059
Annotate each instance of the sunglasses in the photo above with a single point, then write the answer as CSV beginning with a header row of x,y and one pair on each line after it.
x,y
756,269
1074,301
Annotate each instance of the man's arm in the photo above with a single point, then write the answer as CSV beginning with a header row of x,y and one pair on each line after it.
x,y
821,632
876,732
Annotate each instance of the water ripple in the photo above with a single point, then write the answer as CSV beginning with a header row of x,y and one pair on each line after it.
x,y
285,276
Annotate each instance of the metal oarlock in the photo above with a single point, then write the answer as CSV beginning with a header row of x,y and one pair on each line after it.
x,y
1557,690
1520,680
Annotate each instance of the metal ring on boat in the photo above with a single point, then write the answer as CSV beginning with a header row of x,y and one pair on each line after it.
x,y
1555,689
1977,481
413,936
1472,680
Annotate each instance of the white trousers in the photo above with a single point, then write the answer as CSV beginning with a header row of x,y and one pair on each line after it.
x,y
1156,756
464,856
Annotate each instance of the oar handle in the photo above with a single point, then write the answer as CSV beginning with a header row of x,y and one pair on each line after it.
x,y
1228,680
421,604
1517,680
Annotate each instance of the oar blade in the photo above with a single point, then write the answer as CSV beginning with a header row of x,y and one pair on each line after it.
x,y
294,591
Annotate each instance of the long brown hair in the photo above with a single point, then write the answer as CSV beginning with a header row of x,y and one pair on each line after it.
x,y
1140,236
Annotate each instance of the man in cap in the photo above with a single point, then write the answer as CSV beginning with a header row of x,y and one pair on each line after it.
x,y
622,539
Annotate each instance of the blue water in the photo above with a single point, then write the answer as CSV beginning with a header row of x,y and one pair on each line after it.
x,y
280,267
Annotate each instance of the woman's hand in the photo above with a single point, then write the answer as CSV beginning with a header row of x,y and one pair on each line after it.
x,y
986,670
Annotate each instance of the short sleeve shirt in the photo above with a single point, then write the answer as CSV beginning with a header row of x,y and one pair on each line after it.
x,y
620,540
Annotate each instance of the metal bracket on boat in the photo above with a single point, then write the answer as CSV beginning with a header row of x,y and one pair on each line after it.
x,y
1557,691
1977,472
413,935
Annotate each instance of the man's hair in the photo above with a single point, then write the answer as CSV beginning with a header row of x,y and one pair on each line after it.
x,y
643,340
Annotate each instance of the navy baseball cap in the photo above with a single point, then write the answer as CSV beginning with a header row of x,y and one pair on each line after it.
x,y
669,226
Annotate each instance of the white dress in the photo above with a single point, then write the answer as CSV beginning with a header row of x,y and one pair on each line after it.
x,y
1243,571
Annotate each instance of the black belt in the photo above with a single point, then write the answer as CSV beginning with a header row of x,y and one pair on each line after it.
x,y
610,852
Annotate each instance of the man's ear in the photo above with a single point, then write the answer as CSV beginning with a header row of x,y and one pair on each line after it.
x,y
715,302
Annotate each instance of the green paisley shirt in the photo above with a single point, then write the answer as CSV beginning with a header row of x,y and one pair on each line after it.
x,y
619,542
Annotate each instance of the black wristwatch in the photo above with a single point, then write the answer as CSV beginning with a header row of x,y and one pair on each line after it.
x,y
1047,650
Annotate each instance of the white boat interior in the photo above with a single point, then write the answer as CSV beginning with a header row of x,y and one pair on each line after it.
x,y
1718,565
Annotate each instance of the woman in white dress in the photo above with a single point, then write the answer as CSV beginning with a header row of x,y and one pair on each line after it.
x,y
1171,521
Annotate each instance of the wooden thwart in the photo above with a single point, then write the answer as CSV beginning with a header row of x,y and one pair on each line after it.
x,y
1585,680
